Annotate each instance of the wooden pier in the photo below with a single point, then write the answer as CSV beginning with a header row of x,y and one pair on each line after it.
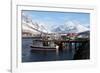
x,y
60,44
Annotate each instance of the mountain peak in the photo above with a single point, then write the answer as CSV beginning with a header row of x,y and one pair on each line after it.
x,y
71,27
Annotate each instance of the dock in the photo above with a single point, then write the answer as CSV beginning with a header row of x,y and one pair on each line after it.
x,y
60,44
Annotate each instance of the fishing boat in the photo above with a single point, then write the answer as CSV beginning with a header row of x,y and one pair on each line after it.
x,y
44,48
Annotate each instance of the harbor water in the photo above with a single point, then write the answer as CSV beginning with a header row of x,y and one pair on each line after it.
x,y
38,56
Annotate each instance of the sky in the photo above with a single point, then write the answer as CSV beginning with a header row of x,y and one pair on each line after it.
x,y
57,18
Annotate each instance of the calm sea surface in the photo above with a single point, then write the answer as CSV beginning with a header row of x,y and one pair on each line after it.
x,y
28,56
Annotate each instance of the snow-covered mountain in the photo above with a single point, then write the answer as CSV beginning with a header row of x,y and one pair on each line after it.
x,y
70,27
29,25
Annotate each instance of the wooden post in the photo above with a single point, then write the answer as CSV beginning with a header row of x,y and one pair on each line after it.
x,y
70,46
60,46
75,46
